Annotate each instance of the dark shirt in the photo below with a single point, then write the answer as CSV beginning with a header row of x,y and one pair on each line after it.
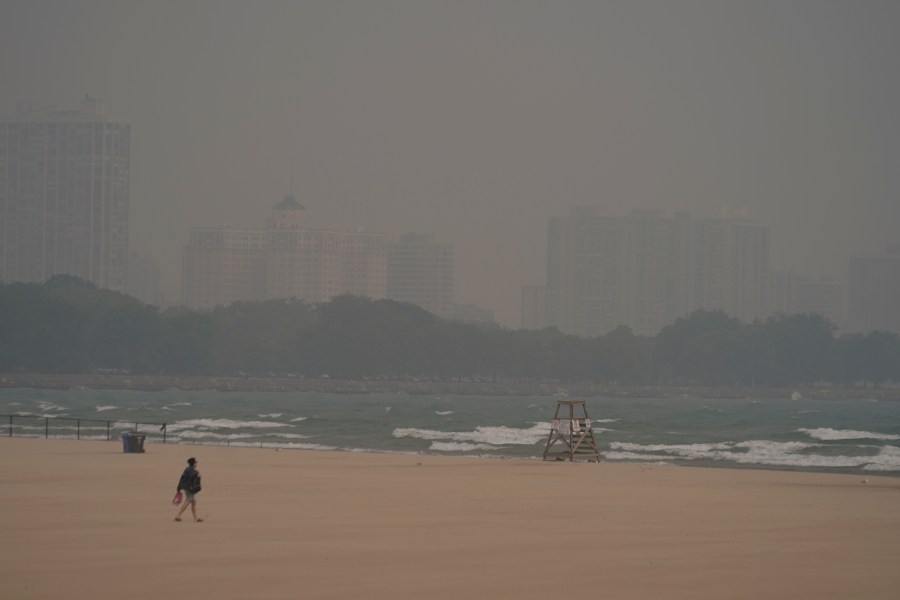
x,y
188,478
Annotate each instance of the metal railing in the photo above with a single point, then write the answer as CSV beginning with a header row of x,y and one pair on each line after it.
x,y
69,428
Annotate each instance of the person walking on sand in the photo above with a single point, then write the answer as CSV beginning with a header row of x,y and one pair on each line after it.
x,y
190,484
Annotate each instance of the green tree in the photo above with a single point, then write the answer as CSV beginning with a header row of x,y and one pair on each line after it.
x,y
799,349
877,358
685,348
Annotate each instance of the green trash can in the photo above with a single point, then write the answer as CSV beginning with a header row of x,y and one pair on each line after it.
x,y
133,442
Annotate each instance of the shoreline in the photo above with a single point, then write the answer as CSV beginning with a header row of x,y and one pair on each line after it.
x,y
338,386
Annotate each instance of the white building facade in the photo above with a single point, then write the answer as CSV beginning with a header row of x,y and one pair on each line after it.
x,y
420,271
290,258
64,195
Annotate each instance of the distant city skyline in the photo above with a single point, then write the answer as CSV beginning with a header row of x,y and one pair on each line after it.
x,y
478,122
644,270
293,257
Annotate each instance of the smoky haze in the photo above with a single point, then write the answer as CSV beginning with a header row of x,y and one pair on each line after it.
x,y
476,121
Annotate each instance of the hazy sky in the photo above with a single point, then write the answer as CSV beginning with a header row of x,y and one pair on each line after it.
x,y
478,120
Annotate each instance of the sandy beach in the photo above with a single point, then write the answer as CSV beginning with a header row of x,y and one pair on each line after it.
x,y
83,519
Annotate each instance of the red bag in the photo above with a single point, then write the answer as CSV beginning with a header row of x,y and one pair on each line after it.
x,y
176,500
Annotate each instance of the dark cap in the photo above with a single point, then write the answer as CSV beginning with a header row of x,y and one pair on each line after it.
x,y
192,461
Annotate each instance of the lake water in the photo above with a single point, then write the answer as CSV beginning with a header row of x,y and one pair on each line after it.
x,y
858,436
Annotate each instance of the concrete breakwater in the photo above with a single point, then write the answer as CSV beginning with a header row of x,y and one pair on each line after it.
x,y
425,387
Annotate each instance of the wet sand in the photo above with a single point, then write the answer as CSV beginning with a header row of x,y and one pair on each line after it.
x,y
83,519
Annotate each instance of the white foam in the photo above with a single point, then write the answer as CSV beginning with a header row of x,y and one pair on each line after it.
x,y
289,446
103,408
828,434
298,419
684,450
270,416
443,413
224,424
490,435
888,459
755,452
210,435
630,456
32,415
290,436
169,406
459,447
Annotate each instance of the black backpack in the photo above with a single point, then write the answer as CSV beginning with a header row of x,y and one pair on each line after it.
x,y
189,482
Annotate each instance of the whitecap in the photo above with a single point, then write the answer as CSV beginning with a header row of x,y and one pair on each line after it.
x,y
828,434
887,459
210,435
103,408
270,416
495,435
283,446
681,450
630,456
298,419
754,452
459,447
223,424
443,413
290,436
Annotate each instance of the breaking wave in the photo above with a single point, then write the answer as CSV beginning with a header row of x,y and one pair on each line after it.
x,y
828,434
496,436
757,452
223,424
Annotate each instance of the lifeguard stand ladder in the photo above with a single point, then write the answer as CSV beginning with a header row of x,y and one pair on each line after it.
x,y
571,433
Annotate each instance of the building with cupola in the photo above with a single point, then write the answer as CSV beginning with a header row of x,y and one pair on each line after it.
x,y
290,258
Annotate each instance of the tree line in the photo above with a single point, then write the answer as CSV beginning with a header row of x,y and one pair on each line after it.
x,y
67,325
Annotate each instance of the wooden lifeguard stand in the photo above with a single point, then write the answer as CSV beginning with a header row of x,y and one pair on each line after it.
x,y
571,433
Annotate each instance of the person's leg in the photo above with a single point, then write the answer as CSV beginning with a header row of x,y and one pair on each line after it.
x,y
184,506
194,509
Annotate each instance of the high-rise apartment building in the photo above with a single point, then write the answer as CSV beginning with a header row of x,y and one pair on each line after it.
x,y
747,269
223,265
472,313
873,292
64,193
783,292
420,271
791,293
290,258
822,296
645,269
